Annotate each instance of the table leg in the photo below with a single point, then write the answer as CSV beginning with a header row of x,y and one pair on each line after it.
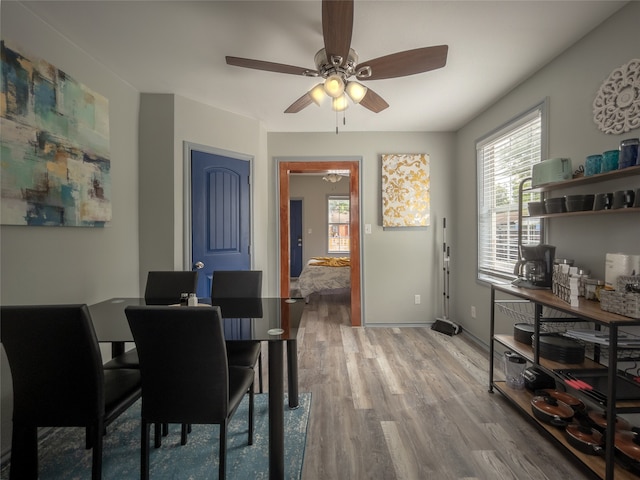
x,y
117,348
292,372
276,410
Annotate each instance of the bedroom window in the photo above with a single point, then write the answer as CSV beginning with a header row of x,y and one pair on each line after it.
x,y
504,159
338,224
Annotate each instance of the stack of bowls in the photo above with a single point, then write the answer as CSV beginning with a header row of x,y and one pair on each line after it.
x,y
536,208
555,205
579,203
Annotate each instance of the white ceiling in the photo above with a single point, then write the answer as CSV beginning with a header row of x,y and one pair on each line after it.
x,y
180,46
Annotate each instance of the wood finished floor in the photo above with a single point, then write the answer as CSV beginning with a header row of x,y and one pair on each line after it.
x,y
409,403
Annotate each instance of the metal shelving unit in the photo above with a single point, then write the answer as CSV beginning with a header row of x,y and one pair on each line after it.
x,y
547,311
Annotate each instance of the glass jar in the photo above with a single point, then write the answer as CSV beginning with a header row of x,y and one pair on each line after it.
x,y
514,366
184,299
583,275
192,300
628,153
592,288
610,161
593,165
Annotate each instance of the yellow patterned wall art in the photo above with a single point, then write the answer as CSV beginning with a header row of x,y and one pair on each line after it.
x,y
405,190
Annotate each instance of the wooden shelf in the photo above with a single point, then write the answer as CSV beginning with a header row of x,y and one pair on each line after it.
x,y
522,399
575,182
588,310
587,212
526,351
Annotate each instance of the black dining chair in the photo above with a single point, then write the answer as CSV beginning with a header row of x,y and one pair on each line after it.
x,y
162,288
58,381
240,284
185,374
165,287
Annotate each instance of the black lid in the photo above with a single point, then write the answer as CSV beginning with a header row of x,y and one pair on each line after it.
x,y
514,357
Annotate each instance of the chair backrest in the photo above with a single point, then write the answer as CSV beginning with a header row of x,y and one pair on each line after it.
x,y
165,287
236,284
183,363
55,364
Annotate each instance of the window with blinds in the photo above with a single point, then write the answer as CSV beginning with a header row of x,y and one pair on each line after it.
x,y
504,159
338,240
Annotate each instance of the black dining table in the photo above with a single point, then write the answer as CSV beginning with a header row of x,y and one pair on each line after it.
x,y
273,320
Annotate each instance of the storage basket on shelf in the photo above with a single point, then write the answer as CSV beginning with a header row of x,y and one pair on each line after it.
x,y
625,300
523,311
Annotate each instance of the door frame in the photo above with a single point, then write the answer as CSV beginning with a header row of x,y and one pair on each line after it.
x,y
284,167
187,148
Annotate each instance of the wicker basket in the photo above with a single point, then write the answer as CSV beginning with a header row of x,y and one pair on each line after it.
x,y
523,311
626,304
628,284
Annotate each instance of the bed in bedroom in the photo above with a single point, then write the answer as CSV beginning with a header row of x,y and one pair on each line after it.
x,y
324,275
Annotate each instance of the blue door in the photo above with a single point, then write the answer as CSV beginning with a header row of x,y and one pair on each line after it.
x,y
295,240
220,223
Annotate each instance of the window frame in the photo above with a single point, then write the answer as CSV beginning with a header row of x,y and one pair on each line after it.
x,y
347,198
490,271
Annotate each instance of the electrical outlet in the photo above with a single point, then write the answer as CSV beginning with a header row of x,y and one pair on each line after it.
x,y
416,299
473,311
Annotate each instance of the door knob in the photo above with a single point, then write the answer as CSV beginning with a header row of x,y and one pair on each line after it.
x,y
198,266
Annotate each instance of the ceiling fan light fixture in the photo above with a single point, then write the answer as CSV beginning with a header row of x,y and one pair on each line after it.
x,y
332,177
334,85
318,94
356,91
340,104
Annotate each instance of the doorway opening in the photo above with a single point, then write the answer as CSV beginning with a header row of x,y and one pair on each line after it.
x,y
285,168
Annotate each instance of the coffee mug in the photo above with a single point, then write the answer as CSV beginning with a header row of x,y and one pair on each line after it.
x,y
603,201
610,161
623,198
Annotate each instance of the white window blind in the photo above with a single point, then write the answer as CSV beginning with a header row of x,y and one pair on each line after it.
x,y
338,239
504,159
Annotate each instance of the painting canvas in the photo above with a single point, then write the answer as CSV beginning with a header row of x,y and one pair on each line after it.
x,y
405,190
54,143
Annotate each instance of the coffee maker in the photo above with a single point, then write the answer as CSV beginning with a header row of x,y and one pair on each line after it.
x,y
535,267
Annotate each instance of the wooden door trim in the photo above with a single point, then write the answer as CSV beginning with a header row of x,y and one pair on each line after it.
x,y
284,169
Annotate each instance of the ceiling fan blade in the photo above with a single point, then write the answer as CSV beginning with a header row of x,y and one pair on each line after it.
x,y
373,101
303,102
406,63
337,27
270,66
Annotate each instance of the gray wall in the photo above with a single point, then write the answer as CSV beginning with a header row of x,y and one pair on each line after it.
x,y
571,82
397,264
313,191
167,122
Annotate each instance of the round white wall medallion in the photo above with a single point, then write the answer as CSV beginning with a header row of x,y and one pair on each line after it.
x,y
616,108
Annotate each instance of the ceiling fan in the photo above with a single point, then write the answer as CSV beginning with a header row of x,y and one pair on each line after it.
x,y
337,63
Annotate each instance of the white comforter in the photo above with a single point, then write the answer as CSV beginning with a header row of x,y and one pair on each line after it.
x,y
316,278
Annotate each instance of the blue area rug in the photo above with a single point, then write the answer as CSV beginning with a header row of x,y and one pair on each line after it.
x,y
62,454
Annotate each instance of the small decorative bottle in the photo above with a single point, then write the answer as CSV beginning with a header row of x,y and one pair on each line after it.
x,y
193,300
184,299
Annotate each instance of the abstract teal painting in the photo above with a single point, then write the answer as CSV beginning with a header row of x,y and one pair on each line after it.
x,y
54,146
